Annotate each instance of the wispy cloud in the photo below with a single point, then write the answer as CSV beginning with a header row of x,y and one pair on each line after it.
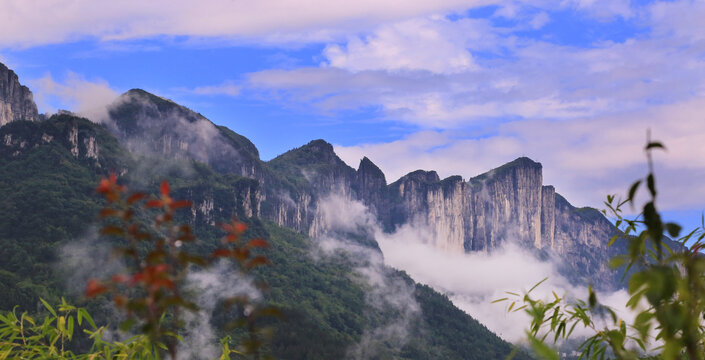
x,y
228,88
395,71
472,281
35,22
26,23
88,98
405,46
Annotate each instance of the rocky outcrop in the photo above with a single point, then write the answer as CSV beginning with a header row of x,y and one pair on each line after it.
x,y
77,136
16,101
213,203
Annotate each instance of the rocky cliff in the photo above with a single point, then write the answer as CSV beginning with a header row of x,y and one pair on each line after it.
x,y
507,204
16,101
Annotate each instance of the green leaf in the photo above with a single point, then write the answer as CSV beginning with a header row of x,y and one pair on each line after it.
x,y
69,328
46,305
592,298
537,284
542,350
632,191
673,229
84,314
655,145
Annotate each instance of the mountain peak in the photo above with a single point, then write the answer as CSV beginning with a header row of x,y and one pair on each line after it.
x,y
321,150
422,176
510,167
320,145
370,173
140,93
137,109
523,162
16,100
315,152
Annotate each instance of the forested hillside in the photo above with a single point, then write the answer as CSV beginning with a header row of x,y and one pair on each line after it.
x,y
48,173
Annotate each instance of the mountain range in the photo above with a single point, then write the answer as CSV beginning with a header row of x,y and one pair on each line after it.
x,y
49,167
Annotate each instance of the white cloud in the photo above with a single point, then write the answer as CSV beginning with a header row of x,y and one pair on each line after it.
x,y
411,74
340,223
682,19
227,88
435,44
85,97
36,22
473,280
540,20
604,9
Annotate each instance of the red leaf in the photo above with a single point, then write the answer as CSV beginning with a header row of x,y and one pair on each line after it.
x,y
231,238
94,288
222,253
239,227
154,203
107,212
135,197
161,268
138,277
120,279
112,230
104,186
165,188
180,204
120,301
258,243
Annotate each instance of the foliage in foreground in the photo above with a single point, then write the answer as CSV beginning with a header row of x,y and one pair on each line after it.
x,y
24,337
150,290
666,288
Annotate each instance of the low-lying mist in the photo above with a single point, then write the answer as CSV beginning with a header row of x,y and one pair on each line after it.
x,y
471,280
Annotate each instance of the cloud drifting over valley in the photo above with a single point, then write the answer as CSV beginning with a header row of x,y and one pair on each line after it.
x,y
473,280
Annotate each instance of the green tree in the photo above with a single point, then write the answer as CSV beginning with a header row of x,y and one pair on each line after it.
x,y
671,282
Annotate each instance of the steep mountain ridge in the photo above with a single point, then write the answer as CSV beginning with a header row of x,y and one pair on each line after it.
x,y
16,100
507,204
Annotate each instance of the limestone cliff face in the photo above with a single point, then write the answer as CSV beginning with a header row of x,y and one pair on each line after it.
x,y
78,136
16,101
370,184
507,204
242,199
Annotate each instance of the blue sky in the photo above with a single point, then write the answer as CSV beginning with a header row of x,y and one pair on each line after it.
x,y
456,86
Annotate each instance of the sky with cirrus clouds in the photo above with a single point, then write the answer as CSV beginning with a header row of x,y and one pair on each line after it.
x,y
458,86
